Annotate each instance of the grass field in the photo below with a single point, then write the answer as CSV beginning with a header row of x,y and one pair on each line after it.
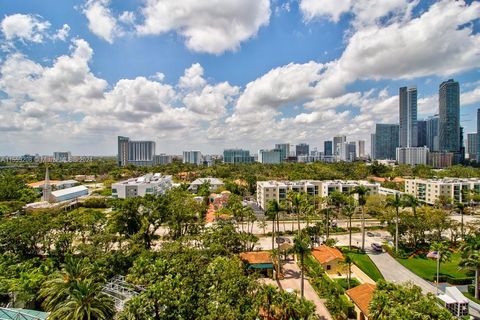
x,y
427,268
365,264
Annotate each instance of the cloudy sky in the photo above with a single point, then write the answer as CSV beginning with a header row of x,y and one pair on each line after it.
x,y
206,75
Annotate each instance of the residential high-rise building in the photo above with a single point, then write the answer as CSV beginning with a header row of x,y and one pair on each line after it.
x,y
478,135
351,151
372,145
328,148
361,149
449,116
412,155
432,133
163,159
193,157
461,157
273,156
472,146
122,155
386,141
140,153
284,150
336,142
61,156
235,156
422,133
302,149
408,116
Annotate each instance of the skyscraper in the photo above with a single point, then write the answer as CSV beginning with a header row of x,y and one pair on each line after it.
x,y
386,140
372,145
336,144
237,156
408,116
478,135
193,157
422,133
449,116
472,145
140,153
432,133
122,155
284,150
302,149
327,148
361,149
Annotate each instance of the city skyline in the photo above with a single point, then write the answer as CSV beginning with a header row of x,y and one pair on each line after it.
x,y
75,75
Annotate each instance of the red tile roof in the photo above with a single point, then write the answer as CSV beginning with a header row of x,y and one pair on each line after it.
x,y
256,257
325,254
361,296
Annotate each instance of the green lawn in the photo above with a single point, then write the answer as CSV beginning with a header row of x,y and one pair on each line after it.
x,y
365,264
427,268
344,284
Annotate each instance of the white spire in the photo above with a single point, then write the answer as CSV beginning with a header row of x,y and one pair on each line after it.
x,y
47,189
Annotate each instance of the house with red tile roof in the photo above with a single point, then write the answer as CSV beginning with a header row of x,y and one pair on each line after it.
x,y
330,258
361,296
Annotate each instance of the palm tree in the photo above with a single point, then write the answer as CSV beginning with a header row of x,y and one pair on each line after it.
x,y
302,246
349,210
74,294
84,301
411,201
460,208
470,260
443,255
395,202
361,192
273,209
296,201
348,263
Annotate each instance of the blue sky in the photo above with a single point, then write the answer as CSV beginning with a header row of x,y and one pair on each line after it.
x,y
224,73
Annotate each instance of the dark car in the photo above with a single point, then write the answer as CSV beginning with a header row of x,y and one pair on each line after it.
x,y
370,234
377,247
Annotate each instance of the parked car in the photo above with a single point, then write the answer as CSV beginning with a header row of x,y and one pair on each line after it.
x,y
370,234
377,234
377,247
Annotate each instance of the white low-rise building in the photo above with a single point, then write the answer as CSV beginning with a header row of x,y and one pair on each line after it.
x,y
153,184
69,193
432,190
214,184
277,190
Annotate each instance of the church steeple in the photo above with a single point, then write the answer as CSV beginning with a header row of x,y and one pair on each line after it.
x,y
47,189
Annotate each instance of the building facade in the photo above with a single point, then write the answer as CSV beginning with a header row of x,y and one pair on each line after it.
x,y
408,116
432,190
235,156
193,157
273,156
139,153
472,144
422,133
153,184
302,149
361,149
162,159
432,133
284,150
440,160
386,141
412,155
61,156
336,144
449,116
277,190
328,148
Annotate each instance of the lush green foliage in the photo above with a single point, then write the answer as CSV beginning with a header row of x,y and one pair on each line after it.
x,y
363,261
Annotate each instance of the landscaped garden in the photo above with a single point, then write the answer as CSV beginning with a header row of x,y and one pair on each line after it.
x,y
427,268
363,261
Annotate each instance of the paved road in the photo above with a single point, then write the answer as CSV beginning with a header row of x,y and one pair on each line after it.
x,y
393,271
292,281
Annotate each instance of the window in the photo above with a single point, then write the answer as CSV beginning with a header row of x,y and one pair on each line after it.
x,y
329,267
114,190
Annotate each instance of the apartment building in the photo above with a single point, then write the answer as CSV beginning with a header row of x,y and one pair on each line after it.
x,y
277,190
153,184
431,190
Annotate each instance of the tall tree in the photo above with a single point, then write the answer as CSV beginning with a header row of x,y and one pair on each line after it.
x,y
395,202
302,246
348,211
361,192
460,208
470,260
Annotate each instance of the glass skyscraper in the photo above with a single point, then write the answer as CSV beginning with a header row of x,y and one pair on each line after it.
x,y
449,116
302,149
422,133
328,148
284,150
386,140
408,116
432,133
237,156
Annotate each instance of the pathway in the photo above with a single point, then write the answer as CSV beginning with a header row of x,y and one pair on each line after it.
x,y
394,271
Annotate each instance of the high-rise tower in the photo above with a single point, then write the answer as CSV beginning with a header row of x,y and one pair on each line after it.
x,y
449,116
408,116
